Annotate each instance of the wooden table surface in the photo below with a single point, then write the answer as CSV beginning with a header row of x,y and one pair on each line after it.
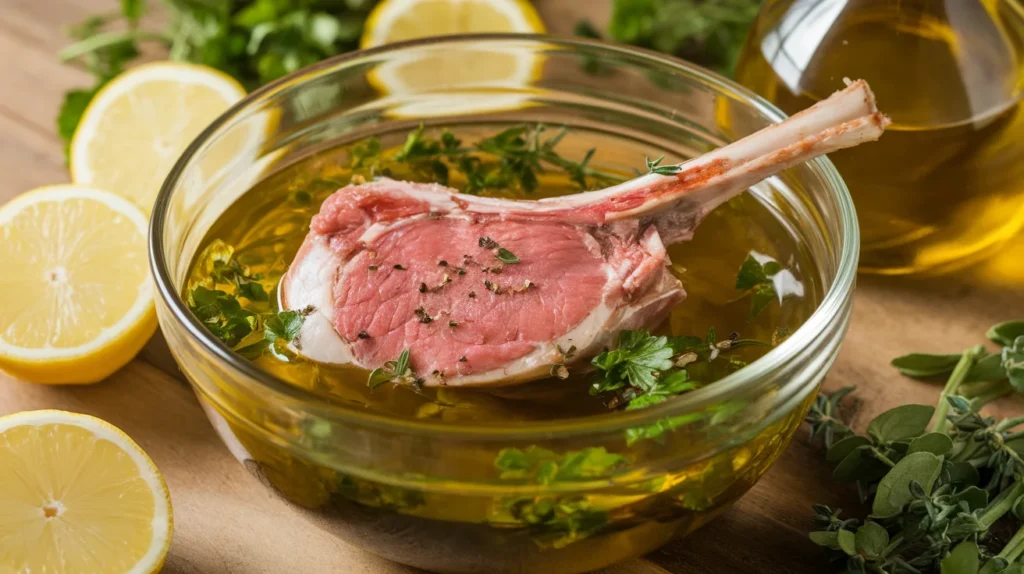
x,y
225,523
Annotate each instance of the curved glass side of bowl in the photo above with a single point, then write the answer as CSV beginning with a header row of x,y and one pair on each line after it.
x,y
470,499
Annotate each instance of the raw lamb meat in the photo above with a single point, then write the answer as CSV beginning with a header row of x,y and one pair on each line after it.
x,y
391,265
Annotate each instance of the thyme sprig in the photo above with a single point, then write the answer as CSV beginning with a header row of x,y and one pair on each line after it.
x,y
510,159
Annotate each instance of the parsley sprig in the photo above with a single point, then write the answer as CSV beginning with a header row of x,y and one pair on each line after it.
x,y
644,370
555,520
255,41
708,32
755,278
248,332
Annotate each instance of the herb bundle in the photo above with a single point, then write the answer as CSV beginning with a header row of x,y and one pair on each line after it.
x,y
707,32
558,520
254,41
247,332
939,478
510,159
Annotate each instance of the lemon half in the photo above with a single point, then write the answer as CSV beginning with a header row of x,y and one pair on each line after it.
x,y
439,81
78,495
136,127
77,297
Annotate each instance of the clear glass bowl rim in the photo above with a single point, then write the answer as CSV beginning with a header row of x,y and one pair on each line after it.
x,y
729,387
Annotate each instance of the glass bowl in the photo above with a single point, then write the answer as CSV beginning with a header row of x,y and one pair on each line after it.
x,y
472,497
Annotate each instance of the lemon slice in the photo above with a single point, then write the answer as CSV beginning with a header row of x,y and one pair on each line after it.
x,y
140,123
77,297
447,81
77,495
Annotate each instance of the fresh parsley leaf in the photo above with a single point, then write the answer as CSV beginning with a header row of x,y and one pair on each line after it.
x,y
708,32
656,430
756,278
71,110
543,466
283,326
638,356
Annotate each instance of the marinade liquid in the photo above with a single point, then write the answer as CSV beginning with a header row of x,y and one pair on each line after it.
x,y
264,228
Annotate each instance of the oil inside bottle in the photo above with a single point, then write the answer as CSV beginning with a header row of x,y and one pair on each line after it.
x,y
945,184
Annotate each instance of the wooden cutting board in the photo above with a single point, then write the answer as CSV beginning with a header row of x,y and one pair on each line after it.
x,y
225,523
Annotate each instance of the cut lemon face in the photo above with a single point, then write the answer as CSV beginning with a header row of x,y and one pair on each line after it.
x,y
78,495
77,297
138,125
448,81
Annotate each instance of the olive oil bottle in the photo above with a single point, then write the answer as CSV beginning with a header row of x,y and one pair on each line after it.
x,y
945,185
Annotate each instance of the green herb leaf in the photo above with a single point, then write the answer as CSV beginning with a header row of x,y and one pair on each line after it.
x,y
894,489
71,110
842,449
923,365
252,291
654,166
871,539
751,274
506,256
755,278
283,326
826,539
900,423
962,473
132,9
396,371
1006,333
847,542
974,497
1013,363
936,443
988,368
708,33
656,431
543,466
633,362
962,560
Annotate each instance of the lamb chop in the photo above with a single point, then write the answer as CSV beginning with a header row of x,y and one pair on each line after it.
x,y
492,292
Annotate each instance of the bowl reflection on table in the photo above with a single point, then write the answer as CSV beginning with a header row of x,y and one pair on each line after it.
x,y
427,493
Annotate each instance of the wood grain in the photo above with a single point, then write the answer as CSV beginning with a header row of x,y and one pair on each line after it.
x,y
226,523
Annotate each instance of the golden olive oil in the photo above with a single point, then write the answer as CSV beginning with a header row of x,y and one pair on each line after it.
x,y
553,525
945,183
265,227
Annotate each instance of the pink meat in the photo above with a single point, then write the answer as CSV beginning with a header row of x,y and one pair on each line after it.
x,y
392,265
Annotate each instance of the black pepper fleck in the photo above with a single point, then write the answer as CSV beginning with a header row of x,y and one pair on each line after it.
x,y
399,267
363,335
488,243
373,267
423,316
423,287
472,294
463,359
453,324
443,263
